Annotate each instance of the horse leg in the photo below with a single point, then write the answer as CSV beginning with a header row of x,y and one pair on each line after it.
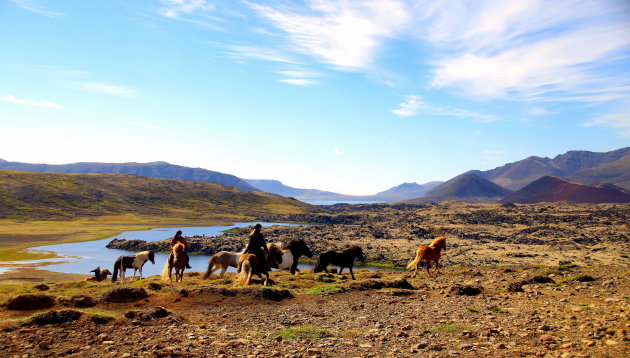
x,y
351,273
266,283
340,269
140,271
294,268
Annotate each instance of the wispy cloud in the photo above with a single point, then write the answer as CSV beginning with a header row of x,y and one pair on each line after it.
x,y
33,7
242,53
175,8
109,88
410,107
414,104
614,120
12,99
337,151
298,81
345,34
529,49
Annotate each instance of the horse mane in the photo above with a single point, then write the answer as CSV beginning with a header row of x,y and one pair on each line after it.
x,y
353,248
178,248
440,241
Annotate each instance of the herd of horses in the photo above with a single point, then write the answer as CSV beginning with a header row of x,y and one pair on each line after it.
x,y
279,256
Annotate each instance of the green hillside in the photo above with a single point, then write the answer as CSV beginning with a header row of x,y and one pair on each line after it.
x,y
26,195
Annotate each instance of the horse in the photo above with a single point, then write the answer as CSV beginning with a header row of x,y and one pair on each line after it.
x,y
248,264
291,253
430,254
222,260
99,275
345,258
135,262
179,264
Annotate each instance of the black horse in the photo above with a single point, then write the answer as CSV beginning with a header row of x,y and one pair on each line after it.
x,y
345,258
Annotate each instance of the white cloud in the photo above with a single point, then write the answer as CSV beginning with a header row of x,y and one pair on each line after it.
x,y
337,151
414,104
345,34
530,49
175,8
12,99
298,81
108,88
410,107
620,121
259,53
32,7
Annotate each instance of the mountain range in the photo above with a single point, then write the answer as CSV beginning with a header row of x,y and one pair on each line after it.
x,y
585,167
160,170
28,195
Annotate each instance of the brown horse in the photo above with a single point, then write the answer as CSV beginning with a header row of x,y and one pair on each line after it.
x,y
99,275
221,260
345,258
429,254
248,264
179,264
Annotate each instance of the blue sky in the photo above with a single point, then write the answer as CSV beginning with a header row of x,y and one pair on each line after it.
x,y
349,96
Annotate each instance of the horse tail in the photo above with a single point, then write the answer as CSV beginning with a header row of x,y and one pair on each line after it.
x,y
165,272
320,263
210,264
419,256
116,265
245,276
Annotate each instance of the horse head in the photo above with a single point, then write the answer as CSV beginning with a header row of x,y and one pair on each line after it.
x,y
358,252
275,256
440,242
299,247
152,257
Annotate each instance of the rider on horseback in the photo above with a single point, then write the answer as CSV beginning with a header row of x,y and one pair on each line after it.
x,y
256,242
178,238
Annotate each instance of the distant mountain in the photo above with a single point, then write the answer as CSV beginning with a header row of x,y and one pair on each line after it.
x,y
516,175
276,187
28,195
406,191
401,192
617,172
467,188
552,189
161,170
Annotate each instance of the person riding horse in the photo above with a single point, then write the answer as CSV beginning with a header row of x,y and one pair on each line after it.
x,y
256,245
178,238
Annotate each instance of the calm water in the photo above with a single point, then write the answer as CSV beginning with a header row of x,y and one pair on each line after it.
x,y
82,257
333,202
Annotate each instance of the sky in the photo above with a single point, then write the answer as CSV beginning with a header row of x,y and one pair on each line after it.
x,y
353,97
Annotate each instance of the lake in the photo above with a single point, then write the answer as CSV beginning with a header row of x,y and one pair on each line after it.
x,y
333,202
82,257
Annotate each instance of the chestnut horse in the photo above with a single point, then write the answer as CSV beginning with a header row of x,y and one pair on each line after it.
x,y
429,254
99,275
291,253
179,264
248,265
345,258
221,260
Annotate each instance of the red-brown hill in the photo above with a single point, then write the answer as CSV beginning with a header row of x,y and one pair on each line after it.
x,y
552,189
